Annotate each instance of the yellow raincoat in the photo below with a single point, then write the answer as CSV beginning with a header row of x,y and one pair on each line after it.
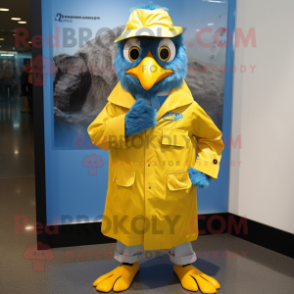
x,y
150,198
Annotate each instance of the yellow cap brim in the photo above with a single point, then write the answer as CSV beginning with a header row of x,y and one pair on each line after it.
x,y
154,31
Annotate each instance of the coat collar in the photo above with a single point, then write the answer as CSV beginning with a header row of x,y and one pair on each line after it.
x,y
176,98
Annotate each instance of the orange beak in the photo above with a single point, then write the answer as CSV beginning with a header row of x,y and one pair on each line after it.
x,y
149,72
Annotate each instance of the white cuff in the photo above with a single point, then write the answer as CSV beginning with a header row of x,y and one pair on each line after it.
x,y
183,260
128,259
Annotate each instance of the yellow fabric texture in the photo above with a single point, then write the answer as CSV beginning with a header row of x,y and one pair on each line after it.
x,y
155,23
150,199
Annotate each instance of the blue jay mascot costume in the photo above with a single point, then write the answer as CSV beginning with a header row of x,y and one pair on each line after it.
x,y
151,126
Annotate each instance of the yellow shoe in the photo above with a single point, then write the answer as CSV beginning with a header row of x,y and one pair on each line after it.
x,y
119,279
190,277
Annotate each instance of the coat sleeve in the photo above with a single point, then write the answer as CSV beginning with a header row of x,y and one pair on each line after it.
x,y
209,143
107,131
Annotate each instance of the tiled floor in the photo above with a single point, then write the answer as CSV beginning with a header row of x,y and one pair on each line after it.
x,y
240,267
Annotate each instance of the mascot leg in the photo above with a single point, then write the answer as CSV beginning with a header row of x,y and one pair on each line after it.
x,y
121,277
190,277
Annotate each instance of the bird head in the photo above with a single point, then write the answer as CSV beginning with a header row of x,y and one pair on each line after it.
x,y
151,55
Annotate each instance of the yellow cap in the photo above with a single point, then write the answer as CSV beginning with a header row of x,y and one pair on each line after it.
x,y
152,23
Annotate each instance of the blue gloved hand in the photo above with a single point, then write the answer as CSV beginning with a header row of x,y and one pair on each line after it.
x,y
139,118
198,178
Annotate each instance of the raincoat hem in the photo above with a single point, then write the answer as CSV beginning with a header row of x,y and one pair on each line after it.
x,y
152,246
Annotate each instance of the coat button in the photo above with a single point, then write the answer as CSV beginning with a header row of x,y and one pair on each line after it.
x,y
149,187
215,161
149,165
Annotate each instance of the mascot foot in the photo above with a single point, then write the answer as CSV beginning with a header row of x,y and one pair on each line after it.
x,y
190,278
119,279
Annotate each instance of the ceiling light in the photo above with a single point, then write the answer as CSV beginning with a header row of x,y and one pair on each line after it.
x,y
22,22
7,54
16,18
29,228
29,42
210,24
4,9
1,39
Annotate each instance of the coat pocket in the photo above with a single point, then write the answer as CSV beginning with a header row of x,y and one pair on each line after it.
x,y
125,178
173,137
178,200
178,180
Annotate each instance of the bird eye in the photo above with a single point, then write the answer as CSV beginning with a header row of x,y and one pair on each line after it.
x,y
164,53
131,50
166,50
134,53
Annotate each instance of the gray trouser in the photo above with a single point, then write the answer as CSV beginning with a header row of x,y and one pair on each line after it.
x,y
181,254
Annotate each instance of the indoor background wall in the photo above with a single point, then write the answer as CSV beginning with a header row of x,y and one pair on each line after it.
x,y
262,188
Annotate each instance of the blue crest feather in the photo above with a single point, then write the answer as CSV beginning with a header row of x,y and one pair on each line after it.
x,y
149,6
